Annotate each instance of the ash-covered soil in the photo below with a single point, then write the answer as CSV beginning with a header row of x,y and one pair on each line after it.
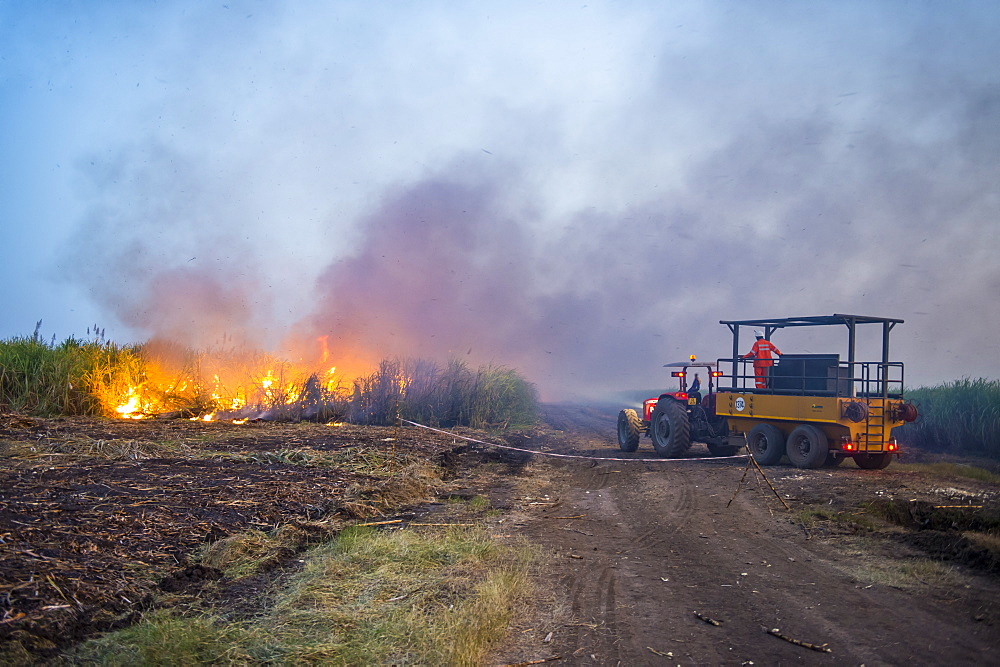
x,y
100,520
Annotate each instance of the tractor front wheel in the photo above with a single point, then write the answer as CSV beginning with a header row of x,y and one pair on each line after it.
x,y
873,461
670,428
629,430
808,447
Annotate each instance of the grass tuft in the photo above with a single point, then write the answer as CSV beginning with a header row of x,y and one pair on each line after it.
x,y
367,597
852,522
402,598
164,639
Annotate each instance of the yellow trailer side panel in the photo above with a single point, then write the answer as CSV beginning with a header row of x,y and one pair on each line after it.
x,y
768,406
872,434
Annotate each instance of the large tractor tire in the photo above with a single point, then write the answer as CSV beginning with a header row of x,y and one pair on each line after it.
x,y
669,428
629,430
873,461
767,444
807,447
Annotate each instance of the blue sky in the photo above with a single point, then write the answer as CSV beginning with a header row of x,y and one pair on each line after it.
x,y
582,190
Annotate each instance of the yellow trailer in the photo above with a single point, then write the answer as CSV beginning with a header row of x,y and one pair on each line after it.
x,y
817,409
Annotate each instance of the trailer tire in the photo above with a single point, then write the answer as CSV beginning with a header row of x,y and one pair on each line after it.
x,y
807,447
670,428
629,430
767,444
873,461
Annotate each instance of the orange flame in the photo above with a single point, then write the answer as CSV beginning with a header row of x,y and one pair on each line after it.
x,y
232,384
132,407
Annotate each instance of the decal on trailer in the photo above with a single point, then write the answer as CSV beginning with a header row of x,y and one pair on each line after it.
x,y
740,404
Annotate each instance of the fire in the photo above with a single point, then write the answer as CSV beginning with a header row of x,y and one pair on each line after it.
x,y
131,408
236,385
332,382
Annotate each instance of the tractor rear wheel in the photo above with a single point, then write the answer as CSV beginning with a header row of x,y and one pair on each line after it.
x,y
670,428
808,447
873,461
767,444
629,430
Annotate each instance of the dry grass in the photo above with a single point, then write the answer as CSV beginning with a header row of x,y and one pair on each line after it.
x,y
81,447
252,551
950,470
367,597
851,521
867,563
165,639
988,541
401,598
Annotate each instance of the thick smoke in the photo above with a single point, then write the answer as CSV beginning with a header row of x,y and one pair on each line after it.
x,y
167,258
700,165
771,225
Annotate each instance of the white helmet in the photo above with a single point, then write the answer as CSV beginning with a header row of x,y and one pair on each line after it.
x,y
757,333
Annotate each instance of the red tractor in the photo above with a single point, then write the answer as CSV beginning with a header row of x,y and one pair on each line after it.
x,y
677,418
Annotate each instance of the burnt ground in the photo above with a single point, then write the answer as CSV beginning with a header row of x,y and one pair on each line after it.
x,y
100,520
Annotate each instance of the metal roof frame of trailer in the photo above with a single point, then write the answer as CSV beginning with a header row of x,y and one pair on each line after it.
x,y
818,320
850,321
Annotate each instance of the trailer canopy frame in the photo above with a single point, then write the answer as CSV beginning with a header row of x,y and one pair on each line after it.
x,y
770,325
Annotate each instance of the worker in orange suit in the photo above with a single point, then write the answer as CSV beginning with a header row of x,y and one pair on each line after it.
x,y
762,360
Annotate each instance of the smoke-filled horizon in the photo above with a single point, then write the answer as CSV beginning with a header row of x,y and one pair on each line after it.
x,y
580,192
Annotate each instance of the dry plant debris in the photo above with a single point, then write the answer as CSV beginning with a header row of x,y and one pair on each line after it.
x,y
91,529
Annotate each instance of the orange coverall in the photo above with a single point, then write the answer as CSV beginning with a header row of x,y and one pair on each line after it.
x,y
762,361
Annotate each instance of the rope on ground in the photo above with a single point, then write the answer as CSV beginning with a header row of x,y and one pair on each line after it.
x,y
570,456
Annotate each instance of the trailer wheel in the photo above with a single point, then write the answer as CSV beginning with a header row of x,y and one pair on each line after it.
x,y
767,444
629,430
670,428
808,447
873,461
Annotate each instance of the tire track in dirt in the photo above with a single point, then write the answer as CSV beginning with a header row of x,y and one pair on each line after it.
x,y
593,579
676,508
598,478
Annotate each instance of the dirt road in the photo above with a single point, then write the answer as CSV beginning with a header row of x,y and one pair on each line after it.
x,y
637,548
